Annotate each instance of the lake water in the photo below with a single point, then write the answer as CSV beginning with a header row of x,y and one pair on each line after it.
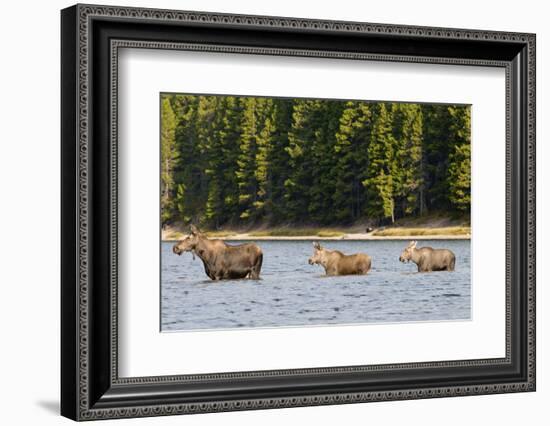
x,y
293,293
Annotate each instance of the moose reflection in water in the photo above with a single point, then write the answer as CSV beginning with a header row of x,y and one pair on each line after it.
x,y
428,259
222,261
337,263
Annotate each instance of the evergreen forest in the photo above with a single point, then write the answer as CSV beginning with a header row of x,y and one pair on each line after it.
x,y
235,161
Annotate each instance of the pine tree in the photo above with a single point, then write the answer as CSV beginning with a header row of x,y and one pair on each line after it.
x,y
408,174
246,162
382,166
306,120
322,170
459,172
167,154
436,150
229,135
350,159
208,125
264,141
279,160
188,167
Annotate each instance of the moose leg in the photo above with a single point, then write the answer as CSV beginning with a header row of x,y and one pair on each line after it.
x,y
331,271
451,266
256,268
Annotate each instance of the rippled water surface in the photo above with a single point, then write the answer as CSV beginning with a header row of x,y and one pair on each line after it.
x,y
293,293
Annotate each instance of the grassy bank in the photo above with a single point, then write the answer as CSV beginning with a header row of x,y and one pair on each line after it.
x,y
418,232
264,233
351,233
298,232
176,235
435,225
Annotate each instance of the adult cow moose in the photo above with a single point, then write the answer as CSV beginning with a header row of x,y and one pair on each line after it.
x,y
222,261
337,263
429,259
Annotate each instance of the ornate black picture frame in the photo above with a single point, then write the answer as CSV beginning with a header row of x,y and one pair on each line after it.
x,y
91,388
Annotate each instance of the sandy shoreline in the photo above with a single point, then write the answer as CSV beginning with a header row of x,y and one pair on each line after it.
x,y
349,237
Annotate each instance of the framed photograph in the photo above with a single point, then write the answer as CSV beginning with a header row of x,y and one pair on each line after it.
x,y
263,212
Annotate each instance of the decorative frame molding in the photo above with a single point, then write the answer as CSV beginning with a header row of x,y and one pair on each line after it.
x,y
91,388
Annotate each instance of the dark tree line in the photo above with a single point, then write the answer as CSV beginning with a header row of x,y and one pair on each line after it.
x,y
250,160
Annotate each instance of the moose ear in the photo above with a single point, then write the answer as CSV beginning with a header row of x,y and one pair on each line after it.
x,y
194,229
317,245
414,243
